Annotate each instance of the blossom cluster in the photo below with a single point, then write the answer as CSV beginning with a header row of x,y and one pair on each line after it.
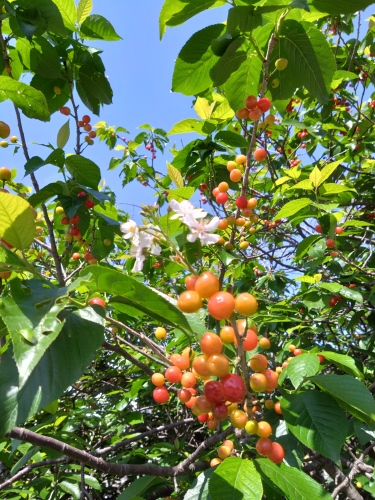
x,y
145,239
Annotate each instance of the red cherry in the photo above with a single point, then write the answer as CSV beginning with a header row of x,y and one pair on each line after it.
x,y
160,394
330,243
220,411
264,104
339,230
97,301
318,228
251,102
222,198
260,154
203,418
74,231
297,352
241,202
173,374
213,391
74,220
89,203
65,221
88,256
321,358
81,194
86,119
233,388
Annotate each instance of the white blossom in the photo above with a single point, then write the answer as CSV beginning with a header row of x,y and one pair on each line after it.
x,y
185,208
201,230
144,241
129,229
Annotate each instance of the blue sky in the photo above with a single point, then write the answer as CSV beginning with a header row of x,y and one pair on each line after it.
x,y
139,68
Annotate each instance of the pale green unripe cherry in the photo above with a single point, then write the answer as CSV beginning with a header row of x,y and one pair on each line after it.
x,y
281,64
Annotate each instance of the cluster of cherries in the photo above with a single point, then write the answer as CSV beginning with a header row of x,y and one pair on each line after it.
x,y
222,391
330,242
254,108
74,231
83,123
150,147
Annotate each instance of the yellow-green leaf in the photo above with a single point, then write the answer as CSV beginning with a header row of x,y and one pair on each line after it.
x,y
63,135
203,108
315,177
175,175
281,180
17,224
83,10
294,173
305,184
328,170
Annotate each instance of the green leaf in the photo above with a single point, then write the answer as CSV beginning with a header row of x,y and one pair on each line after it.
x,y
235,55
364,433
97,27
344,362
304,246
350,294
199,488
61,365
310,57
236,479
17,224
293,207
350,393
184,193
46,193
34,312
301,367
192,125
306,184
331,287
93,88
68,12
10,261
231,139
72,488
317,421
47,86
47,12
63,135
203,108
244,81
315,177
130,291
40,57
291,482
344,7
30,101
191,74
83,170
140,486
175,175
83,10
331,188
176,12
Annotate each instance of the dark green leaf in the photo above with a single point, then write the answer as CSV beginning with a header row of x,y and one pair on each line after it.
x,y
175,12
199,488
83,170
344,7
61,365
350,393
290,482
31,102
301,367
317,421
231,139
40,57
48,12
132,292
236,479
191,73
97,27
344,362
